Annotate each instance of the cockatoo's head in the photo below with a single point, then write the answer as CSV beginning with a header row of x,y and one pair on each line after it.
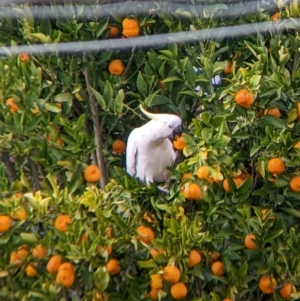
x,y
170,124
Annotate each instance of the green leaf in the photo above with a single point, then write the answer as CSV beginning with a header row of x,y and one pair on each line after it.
x,y
291,211
63,97
99,99
254,149
172,79
40,37
52,107
272,121
108,92
118,105
141,85
147,264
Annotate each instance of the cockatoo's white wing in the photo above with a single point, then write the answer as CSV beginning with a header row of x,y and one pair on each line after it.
x,y
131,152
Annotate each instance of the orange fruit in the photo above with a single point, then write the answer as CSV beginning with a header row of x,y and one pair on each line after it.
x,y
145,234
23,251
130,28
178,291
215,256
227,69
62,222
264,214
5,223
179,143
116,67
203,172
113,267
53,264
286,291
276,166
19,214
108,249
156,281
66,266
298,111
171,274
92,174
187,176
30,269
15,259
217,268
238,182
192,191
244,98
267,284
194,258
39,251
274,112
153,294
275,17
114,31
249,243
65,277
297,145
24,57
294,185
155,252
13,107
119,146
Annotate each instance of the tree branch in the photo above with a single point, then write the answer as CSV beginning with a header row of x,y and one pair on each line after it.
x,y
97,127
9,168
35,175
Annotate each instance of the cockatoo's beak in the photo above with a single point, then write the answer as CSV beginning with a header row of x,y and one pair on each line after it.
x,y
177,132
148,114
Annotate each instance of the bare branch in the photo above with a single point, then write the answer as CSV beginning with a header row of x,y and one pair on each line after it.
x,y
97,127
9,168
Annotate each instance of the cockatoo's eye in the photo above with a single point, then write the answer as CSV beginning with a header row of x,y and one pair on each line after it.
x,y
170,127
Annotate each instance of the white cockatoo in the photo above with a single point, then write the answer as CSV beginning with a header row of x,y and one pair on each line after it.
x,y
149,150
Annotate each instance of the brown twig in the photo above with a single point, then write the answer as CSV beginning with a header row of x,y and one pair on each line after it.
x,y
35,175
9,168
97,127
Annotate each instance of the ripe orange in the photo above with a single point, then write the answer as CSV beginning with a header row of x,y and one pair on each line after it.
x,y
92,174
65,277
153,294
187,176
171,274
244,98
297,145
19,214
66,266
116,67
24,57
114,31
156,281
30,269
179,143
145,234
15,259
203,172
294,185
13,107
274,112
62,222
23,251
119,146
286,291
194,258
5,223
130,28
53,264
155,252
276,166
267,284
108,249
238,182
215,256
192,191
275,17
113,267
227,69
249,243
178,291
39,251
217,268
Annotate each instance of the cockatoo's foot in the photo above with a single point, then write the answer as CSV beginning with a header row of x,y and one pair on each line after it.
x,y
163,189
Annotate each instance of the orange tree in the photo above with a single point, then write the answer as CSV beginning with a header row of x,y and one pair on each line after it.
x,y
72,77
